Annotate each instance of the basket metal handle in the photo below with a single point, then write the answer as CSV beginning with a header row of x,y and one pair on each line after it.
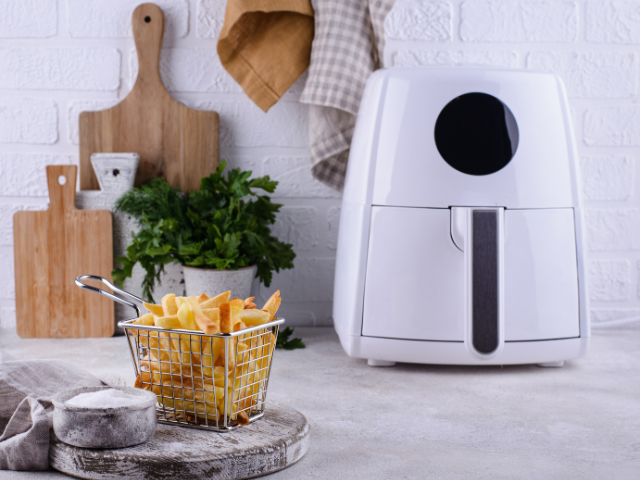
x,y
135,303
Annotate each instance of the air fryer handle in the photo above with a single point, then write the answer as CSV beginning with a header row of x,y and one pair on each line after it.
x,y
135,303
478,232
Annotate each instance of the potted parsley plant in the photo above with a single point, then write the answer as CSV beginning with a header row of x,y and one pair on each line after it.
x,y
220,234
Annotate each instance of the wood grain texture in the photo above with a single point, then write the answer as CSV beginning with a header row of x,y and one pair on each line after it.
x,y
173,141
276,441
53,247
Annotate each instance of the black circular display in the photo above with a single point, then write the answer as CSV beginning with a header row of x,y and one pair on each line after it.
x,y
476,134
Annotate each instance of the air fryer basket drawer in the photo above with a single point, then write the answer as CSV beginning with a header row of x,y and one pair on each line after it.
x,y
414,285
541,276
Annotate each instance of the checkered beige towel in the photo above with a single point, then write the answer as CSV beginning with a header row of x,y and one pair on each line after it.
x,y
346,48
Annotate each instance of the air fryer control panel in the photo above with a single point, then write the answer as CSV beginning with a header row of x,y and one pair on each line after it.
x,y
476,134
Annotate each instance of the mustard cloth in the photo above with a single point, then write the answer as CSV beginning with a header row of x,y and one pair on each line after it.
x,y
265,45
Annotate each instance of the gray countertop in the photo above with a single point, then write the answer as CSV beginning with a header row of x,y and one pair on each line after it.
x,y
420,421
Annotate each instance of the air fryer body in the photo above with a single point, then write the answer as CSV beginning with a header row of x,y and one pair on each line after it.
x,y
460,235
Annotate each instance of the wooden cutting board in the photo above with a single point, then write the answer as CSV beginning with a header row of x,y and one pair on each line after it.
x,y
272,443
173,141
53,247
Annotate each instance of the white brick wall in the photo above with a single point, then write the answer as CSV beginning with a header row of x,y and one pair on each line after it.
x,y
592,45
34,19
60,57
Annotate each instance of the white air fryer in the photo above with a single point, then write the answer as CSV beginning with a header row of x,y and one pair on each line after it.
x,y
461,232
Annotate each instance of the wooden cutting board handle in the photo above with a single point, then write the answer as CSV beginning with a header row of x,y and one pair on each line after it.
x,y
175,142
148,31
61,180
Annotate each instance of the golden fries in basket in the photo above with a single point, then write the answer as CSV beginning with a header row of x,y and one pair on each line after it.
x,y
217,375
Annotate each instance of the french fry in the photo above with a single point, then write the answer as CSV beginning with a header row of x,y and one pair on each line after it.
x,y
180,301
271,305
168,322
186,317
207,325
148,338
203,298
228,317
211,351
154,309
248,303
254,317
243,418
146,319
212,313
215,302
273,315
165,349
169,306
229,314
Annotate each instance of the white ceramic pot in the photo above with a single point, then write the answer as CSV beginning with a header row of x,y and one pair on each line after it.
x,y
213,282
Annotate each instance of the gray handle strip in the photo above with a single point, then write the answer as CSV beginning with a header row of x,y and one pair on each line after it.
x,y
485,281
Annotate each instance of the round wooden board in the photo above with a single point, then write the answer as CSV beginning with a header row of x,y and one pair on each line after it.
x,y
272,443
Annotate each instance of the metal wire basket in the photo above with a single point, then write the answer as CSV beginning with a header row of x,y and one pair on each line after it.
x,y
214,382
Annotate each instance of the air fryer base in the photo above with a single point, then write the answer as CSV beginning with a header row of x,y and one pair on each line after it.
x,y
457,353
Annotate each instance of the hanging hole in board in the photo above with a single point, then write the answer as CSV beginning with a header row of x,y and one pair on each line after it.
x,y
62,179
116,172
147,19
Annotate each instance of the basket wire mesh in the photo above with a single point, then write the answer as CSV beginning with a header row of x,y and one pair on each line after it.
x,y
215,382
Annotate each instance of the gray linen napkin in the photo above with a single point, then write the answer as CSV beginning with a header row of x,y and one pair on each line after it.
x,y
347,47
26,390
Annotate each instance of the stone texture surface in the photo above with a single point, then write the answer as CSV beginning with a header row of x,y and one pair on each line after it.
x,y
612,22
112,19
608,178
24,174
243,124
333,221
60,68
77,107
609,280
612,126
590,74
210,18
28,120
298,226
427,421
518,21
28,19
419,20
416,58
213,282
295,178
190,70
613,229
116,172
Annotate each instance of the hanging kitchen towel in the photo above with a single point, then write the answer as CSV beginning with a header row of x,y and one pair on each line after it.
x,y
26,390
265,45
348,46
